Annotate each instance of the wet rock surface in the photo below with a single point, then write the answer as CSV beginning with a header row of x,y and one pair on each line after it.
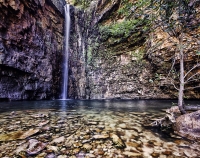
x,y
31,41
68,134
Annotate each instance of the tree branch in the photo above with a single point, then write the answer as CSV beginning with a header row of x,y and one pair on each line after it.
x,y
191,81
192,88
192,77
174,86
171,66
198,65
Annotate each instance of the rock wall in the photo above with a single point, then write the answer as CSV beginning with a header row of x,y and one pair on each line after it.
x,y
31,41
115,52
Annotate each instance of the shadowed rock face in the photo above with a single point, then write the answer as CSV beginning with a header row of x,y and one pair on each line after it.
x,y
31,41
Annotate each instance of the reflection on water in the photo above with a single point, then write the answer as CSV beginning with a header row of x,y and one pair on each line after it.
x,y
115,105
82,128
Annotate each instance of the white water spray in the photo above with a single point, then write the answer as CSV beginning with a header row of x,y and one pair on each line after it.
x,y
66,51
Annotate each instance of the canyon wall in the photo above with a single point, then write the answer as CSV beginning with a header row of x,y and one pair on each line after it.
x,y
119,52
31,44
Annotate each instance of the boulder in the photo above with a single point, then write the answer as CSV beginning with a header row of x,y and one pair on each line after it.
x,y
188,125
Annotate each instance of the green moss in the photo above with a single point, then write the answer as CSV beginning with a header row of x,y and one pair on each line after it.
x,y
122,30
125,9
82,3
128,8
138,54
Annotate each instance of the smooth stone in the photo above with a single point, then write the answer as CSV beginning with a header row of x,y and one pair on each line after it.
x,y
118,142
53,148
157,143
162,156
87,146
101,136
76,150
86,137
86,141
51,155
89,155
62,156
101,126
132,154
154,154
59,140
123,125
99,152
92,123
77,144
133,144
167,152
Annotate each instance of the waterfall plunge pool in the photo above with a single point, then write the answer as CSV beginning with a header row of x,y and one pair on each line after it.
x,y
82,128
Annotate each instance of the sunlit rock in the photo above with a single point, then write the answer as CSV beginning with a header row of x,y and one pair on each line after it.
x,y
117,141
87,146
53,148
101,136
188,125
133,144
18,135
132,154
58,140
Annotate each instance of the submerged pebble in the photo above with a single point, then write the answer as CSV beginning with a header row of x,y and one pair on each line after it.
x,y
87,133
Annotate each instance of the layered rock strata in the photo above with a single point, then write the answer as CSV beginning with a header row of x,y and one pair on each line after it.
x,y
118,52
31,44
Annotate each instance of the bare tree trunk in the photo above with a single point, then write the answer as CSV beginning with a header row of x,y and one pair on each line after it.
x,y
181,89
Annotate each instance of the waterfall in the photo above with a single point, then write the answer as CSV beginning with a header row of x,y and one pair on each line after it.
x,y
66,51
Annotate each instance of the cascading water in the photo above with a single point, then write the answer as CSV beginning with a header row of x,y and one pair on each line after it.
x,y
66,51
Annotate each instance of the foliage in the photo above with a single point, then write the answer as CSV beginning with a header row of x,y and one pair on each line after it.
x,y
138,54
82,3
127,7
121,30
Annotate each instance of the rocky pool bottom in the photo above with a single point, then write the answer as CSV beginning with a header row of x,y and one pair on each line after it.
x,y
88,129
